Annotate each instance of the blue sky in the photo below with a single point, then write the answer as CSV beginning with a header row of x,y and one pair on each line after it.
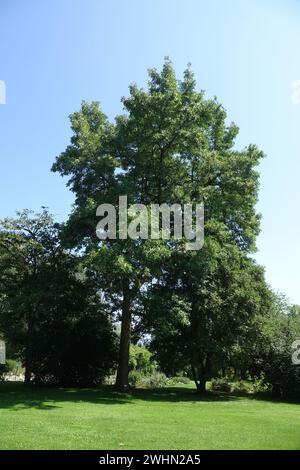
x,y
55,53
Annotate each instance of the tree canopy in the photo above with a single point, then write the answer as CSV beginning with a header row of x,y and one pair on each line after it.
x,y
170,145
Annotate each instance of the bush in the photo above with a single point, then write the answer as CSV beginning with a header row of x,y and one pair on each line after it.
x,y
278,375
220,385
110,379
179,379
261,385
143,371
141,360
11,367
239,387
135,377
242,387
155,380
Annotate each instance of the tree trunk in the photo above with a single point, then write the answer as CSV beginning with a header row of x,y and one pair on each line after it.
x,y
200,381
123,367
27,375
201,387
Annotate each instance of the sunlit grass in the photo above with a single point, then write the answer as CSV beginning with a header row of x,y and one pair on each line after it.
x,y
172,418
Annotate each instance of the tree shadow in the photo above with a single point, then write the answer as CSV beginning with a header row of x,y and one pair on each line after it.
x,y
181,394
16,396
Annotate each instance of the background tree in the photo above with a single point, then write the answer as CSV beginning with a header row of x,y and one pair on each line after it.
x,y
27,244
50,313
199,329
270,353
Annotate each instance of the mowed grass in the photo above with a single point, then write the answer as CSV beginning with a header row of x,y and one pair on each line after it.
x,y
172,418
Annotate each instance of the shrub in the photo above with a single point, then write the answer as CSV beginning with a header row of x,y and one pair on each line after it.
x,y
242,386
220,385
155,380
11,367
135,377
110,379
143,371
179,379
141,360
260,385
278,375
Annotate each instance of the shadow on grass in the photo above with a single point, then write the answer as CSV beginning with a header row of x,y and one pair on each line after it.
x,y
15,396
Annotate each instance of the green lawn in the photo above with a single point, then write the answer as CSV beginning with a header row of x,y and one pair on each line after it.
x,y
172,418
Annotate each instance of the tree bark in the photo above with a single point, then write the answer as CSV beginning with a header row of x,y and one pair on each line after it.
x,y
123,366
200,381
201,387
27,375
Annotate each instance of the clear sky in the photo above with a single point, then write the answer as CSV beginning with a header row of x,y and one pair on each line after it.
x,y
55,53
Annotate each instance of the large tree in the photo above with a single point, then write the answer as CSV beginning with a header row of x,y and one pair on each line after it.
x,y
170,146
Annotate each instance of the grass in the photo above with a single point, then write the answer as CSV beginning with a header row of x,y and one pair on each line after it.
x,y
171,418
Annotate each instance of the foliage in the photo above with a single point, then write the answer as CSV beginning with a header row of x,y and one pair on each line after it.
x,y
170,145
11,368
134,378
202,325
179,380
270,358
202,311
77,350
50,310
141,359
155,380
220,385
143,369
